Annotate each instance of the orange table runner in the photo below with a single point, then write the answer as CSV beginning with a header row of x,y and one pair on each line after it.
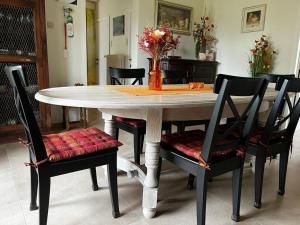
x,y
166,90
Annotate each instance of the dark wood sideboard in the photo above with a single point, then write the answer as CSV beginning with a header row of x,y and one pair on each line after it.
x,y
198,71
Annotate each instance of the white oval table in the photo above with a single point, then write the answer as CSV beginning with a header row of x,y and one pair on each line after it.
x,y
152,108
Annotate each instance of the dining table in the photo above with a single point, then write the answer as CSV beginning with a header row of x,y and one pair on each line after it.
x,y
154,108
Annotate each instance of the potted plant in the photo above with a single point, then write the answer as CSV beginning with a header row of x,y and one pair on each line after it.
x,y
202,35
261,57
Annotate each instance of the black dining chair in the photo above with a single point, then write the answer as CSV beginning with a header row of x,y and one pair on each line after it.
x,y
181,77
276,136
134,126
217,151
57,154
274,78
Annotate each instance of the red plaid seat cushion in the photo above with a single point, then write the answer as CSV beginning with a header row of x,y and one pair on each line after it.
x,y
190,143
131,122
276,137
74,143
255,137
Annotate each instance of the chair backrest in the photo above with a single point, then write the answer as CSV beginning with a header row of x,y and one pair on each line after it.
x,y
17,78
278,80
274,126
174,77
117,73
232,86
274,78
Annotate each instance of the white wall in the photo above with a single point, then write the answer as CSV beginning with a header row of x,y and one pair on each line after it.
x,y
281,24
70,67
115,8
143,14
146,17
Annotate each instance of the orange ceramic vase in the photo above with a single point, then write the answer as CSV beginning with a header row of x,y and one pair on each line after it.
x,y
155,76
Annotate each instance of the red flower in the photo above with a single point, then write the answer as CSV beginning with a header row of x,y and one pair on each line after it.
x,y
157,42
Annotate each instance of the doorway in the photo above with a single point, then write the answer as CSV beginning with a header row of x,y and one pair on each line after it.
x,y
92,52
91,43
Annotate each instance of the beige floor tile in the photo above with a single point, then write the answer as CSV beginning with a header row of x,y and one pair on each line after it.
x,y
4,163
7,189
72,201
11,214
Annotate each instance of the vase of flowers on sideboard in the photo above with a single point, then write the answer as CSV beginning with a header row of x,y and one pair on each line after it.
x,y
261,59
203,38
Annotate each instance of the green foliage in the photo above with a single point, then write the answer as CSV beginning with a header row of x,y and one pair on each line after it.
x,y
261,59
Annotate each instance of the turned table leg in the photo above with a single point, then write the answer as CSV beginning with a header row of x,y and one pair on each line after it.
x,y
109,128
109,124
153,137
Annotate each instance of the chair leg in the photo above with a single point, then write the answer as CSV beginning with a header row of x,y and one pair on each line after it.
x,y
113,188
201,189
34,186
141,143
284,157
237,176
259,178
168,129
159,170
191,180
94,179
117,133
206,126
44,194
137,149
180,128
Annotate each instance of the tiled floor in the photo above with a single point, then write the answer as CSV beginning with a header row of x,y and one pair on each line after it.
x,y
72,201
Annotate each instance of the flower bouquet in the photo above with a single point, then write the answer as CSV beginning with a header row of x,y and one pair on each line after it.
x,y
261,59
202,36
156,43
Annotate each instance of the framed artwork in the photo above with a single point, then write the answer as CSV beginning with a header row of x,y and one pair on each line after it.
x,y
254,18
177,17
119,25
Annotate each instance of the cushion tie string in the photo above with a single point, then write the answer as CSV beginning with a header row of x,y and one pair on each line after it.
x,y
202,162
267,148
22,141
241,152
37,164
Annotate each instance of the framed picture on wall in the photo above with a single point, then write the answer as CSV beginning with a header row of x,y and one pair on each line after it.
x,y
119,25
177,17
254,18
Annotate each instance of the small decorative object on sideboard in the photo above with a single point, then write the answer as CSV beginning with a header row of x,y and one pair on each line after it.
x,y
157,43
203,38
211,55
261,59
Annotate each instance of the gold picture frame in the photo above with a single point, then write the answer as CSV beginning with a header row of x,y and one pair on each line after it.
x,y
178,18
254,18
